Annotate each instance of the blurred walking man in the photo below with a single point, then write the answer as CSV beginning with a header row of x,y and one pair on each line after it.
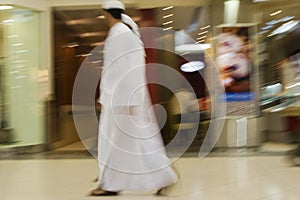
x,y
131,154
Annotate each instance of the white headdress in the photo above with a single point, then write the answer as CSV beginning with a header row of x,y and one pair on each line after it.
x,y
128,20
116,4
113,4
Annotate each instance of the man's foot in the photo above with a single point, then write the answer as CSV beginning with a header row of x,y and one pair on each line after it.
x,y
96,180
101,192
160,192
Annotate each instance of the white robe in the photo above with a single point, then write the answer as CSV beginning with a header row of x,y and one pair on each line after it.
x,y
131,153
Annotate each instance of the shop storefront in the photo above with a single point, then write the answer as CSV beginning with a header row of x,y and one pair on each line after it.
x,y
23,75
280,62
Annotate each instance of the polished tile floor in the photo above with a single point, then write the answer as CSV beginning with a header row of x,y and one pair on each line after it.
x,y
212,178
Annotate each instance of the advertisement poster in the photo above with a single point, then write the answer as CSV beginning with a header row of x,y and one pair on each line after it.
x,y
233,50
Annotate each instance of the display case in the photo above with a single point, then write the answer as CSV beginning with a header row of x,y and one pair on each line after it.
x,y
270,95
284,118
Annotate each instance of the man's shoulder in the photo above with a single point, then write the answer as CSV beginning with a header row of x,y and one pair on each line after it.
x,y
119,28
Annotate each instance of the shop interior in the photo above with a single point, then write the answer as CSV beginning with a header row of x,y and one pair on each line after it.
x,y
81,34
276,32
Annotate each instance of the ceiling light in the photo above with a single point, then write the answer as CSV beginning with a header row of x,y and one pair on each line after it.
x,y
136,19
294,85
23,51
169,28
262,32
21,77
12,36
185,53
193,48
91,34
200,41
273,22
285,27
17,44
96,62
167,8
80,21
287,18
200,38
96,44
266,27
192,66
8,21
101,17
72,22
14,72
205,27
203,33
84,55
279,109
169,22
276,13
167,16
5,7
71,45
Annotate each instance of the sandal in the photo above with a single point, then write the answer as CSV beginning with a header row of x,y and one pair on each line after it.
x,y
160,192
95,180
101,192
